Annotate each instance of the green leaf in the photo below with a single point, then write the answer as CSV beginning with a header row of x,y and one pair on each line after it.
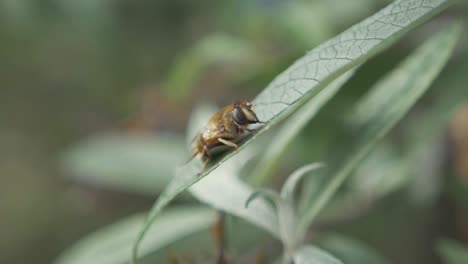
x,y
351,251
232,196
452,252
308,76
313,255
112,244
291,128
235,192
133,163
271,195
287,192
286,216
311,73
380,110
382,172
386,169
426,182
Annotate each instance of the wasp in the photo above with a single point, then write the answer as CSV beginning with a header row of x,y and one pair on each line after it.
x,y
225,128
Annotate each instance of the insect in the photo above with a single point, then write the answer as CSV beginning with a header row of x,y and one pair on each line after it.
x,y
225,128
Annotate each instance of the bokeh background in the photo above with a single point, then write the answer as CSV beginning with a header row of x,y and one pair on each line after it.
x,y
73,69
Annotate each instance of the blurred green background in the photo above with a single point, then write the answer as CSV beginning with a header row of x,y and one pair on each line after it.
x,y
71,69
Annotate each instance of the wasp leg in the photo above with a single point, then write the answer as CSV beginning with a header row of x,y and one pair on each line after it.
x,y
204,166
207,157
228,143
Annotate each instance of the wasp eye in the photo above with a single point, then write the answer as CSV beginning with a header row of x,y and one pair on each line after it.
x,y
239,117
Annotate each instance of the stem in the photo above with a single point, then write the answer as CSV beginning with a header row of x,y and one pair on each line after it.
x,y
219,237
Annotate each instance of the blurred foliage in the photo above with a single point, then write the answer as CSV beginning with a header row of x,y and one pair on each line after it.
x,y
125,75
110,245
452,252
351,251
126,162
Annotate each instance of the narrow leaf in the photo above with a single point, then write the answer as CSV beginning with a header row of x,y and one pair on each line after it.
x,y
313,255
307,76
287,192
231,198
286,215
112,244
271,195
134,163
377,114
290,129
434,122
234,192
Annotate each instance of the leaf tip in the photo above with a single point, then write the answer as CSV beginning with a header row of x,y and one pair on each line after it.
x,y
251,198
